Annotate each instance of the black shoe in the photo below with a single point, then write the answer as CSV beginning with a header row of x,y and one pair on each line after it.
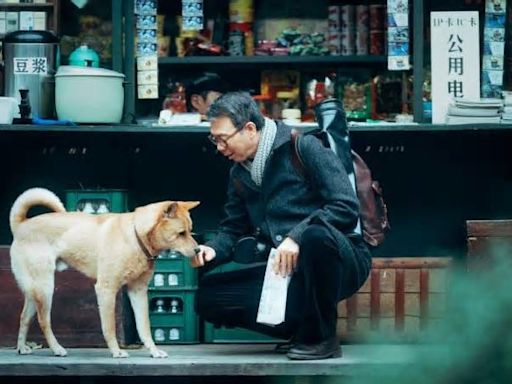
x,y
322,350
283,348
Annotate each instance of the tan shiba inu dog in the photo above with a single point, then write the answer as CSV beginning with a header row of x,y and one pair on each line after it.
x,y
114,249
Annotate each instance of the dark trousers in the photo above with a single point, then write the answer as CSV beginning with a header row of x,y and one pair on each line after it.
x,y
326,274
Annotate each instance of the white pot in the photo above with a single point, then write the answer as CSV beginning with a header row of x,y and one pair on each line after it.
x,y
8,108
89,95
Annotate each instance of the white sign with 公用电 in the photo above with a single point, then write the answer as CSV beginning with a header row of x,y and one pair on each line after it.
x,y
455,59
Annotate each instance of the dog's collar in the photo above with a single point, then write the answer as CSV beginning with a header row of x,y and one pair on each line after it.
x,y
143,247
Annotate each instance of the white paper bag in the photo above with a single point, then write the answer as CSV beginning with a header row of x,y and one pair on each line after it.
x,y
272,306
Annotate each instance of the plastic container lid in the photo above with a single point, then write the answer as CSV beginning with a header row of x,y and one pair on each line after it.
x,y
74,70
84,56
285,95
31,37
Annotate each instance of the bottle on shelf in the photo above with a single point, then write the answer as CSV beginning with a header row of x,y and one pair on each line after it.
x,y
176,100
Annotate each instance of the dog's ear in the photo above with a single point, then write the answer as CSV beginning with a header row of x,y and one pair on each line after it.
x,y
188,205
171,210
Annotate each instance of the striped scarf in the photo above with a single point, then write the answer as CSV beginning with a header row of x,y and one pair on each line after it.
x,y
257,166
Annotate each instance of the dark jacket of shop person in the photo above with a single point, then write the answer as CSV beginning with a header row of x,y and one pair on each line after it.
x,y
202,91
309,220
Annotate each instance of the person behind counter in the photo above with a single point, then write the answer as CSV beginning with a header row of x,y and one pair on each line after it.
x,y
203,91
310,222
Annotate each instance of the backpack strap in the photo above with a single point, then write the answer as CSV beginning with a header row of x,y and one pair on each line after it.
x,y
297,161
239,188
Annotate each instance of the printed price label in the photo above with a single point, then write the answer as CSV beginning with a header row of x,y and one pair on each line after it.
x,y
30,66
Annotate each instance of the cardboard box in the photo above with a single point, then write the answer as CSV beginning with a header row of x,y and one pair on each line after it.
x,y
11,21
2,23
40,21
27,21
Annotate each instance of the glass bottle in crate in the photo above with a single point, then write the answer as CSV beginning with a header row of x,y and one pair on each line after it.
x,y
172,280
173,254
159,335
158,280
174,334
159,306
88,208
174,306
163,255
103,207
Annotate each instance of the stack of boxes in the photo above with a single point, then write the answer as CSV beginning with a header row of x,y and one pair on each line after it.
x,y
11,21
171,300
356,29
146,49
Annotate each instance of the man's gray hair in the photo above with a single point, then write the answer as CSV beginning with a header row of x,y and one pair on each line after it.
x,y
239,107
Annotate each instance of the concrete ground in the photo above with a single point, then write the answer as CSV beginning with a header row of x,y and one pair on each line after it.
x,y
210,363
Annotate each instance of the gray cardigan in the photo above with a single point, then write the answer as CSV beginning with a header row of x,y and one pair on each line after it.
x,y
285,203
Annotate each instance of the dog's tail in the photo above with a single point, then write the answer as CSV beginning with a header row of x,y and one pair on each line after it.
x,y
29,199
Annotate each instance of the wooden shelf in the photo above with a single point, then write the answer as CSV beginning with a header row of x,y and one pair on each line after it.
x,y
32,6
271,60
134,128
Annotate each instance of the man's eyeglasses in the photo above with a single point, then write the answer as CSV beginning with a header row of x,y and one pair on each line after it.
x,y
220,140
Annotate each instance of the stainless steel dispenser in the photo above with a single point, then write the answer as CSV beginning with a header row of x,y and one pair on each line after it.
x,y
31,59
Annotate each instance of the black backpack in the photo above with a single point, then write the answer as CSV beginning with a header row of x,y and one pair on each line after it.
x,y
333,133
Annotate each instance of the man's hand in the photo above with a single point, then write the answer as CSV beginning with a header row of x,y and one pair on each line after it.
x,y
203,255
286,257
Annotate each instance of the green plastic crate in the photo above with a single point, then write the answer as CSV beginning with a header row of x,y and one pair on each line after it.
x,y
235,335
115,200
173,271
173,324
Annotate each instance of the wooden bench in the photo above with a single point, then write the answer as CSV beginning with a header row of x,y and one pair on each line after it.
x,y
487,241
78,319
400,299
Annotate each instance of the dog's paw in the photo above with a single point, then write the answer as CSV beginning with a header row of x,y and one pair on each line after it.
x,y
158,353
120,354
59,351
24,350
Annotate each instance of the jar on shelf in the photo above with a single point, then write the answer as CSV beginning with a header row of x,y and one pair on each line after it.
x,y
176,100
291,116
285,100
264,103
